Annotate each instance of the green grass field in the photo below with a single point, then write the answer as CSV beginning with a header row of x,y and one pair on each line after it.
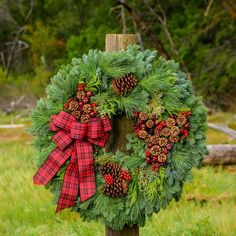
x,y
207,207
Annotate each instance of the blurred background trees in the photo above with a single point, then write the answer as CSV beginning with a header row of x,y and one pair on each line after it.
x,y
37,36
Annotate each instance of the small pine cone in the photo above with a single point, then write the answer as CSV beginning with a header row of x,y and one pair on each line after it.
x,y
161,158
76,114
154,139
73,105
174,139
181,120
115,189
155,150
165,132
142,134
143,116
157,132
85,118
87,108
80,95
124,85
170,122
163,142
174,131
149,124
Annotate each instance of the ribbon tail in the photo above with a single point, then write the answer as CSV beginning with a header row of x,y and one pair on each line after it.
x,y
87,183
51,166
70,187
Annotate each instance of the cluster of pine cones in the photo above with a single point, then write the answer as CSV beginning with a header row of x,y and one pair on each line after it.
x,y
80,106
160,135
115,178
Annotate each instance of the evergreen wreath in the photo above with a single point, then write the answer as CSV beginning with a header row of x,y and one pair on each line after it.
x,y
168,138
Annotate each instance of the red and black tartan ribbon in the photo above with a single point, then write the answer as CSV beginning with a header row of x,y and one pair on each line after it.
x,y
74,140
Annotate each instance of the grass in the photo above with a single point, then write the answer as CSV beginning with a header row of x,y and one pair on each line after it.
x,y
207,207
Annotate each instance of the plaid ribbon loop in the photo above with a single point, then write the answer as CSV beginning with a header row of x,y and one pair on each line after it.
x,y
74,140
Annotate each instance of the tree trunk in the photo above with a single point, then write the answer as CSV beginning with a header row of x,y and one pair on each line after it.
x,y
121,124
222,154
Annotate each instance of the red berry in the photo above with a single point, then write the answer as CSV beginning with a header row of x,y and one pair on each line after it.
x,y
66,105
187,126
80,88
91,114
143,126
185,132
153,167
163,123
150,145
85,100
81,103
154,159
168,146
160,127
188,113
165,151
147,160
136,114
93,104
89,94
156,123
147,153
137,129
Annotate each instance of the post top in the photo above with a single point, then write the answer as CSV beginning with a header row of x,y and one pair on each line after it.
x,y
119,42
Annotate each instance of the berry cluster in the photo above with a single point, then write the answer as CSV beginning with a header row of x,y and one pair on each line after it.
x,y
109,179
80,106
115,178
160,135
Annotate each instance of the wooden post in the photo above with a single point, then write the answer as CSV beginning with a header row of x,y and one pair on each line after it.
x,y
122,125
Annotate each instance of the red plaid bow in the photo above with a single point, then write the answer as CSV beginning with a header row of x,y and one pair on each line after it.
x,y
74,139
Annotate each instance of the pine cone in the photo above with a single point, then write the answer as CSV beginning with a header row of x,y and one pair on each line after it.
x,y
163,142
155,150
73,105
87,108
174,130
170,122
174,139
124,85
154,139
80,95
110,168
165,132
181,120
85,118
162,158
143,116
142,134
117,189
76,114
149,124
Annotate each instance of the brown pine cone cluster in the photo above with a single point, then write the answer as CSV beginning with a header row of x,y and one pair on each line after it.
x,y
80,105
124,85
116,179
160,135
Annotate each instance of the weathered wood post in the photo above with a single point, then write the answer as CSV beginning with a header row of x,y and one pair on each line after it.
x,y
123,126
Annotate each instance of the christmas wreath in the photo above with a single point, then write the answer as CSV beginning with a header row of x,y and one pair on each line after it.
x,y
72,125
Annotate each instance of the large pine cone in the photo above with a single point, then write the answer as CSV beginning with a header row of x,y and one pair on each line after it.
x,y
110,168
124,85
117,189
